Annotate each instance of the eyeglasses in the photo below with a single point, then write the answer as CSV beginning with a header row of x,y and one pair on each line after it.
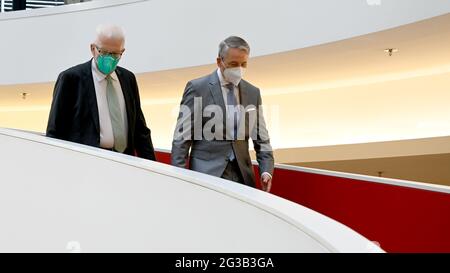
x,y
104,52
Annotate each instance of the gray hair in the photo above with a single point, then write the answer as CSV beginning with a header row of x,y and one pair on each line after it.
x,y
232,42
109,32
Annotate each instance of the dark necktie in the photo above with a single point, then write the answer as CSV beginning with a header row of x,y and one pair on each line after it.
x,y
232,118
232,105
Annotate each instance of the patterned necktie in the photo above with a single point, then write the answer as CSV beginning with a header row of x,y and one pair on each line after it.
x,y
115,113
231,120
232,103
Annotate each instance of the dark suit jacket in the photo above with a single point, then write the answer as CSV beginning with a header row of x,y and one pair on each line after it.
x,y
210,156
74,112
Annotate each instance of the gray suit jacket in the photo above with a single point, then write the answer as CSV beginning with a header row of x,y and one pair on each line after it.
x,y
208,155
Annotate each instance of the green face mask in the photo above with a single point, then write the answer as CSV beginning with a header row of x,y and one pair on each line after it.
x,y
107,63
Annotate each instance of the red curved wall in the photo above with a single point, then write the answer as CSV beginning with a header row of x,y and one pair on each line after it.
x,y
401,219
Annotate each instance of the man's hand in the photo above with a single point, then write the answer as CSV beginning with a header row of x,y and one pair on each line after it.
x,y
266,182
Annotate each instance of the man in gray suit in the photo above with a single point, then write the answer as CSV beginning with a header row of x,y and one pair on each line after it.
x,y
218,115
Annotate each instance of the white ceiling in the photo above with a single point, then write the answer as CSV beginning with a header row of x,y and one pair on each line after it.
x,y
423,50
344,92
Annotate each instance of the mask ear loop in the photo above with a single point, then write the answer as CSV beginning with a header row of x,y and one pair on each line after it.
x,y
223,62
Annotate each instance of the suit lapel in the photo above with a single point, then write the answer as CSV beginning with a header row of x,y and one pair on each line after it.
x,y
126,90
91,97
216,91
243,94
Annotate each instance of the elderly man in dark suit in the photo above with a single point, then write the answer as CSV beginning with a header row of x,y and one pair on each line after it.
x,y
218,115
97,103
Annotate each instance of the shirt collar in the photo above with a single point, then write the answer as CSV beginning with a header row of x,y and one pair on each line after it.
x,y
99,76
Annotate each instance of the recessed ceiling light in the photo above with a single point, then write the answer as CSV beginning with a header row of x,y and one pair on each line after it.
x,y
391,50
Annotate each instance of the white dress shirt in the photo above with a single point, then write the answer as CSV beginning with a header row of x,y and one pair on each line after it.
x,y
106,131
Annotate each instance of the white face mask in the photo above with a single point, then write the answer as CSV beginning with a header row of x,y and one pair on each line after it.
x,y
234,75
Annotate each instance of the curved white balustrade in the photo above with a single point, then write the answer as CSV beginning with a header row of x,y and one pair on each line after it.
x,y
163,34
360,177
57,196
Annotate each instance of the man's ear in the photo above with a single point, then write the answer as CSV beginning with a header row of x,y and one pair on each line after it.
x,y
92,50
